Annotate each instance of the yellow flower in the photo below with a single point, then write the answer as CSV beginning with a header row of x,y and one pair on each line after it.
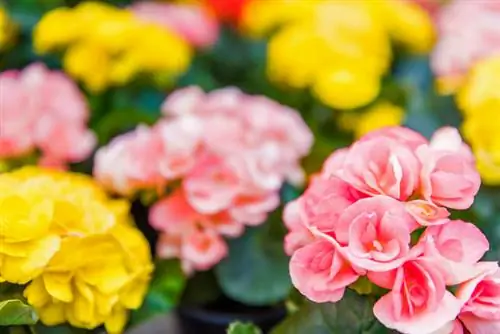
x,y
261,17
94,280
87,263
480,90
106,46
479,100
407,24
484,138
340,50
7,29
90,64
295,55
347,88
55,30
378,116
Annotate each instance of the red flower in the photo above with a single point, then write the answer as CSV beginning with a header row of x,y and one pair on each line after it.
x,y
228,11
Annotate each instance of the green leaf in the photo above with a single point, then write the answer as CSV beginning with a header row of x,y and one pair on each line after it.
x,y
201,289
308,320
289,193
39,328
118,121
164,292
256,270
353,314
243,328
16,312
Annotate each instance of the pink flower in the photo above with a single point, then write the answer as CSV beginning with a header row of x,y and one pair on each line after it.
x,y
418,302
334,162
191,22
74,143
181,139
448,138
381,166
457,246
213,186
298,234
376,233
183,101
38,105
202,250
324,201
402,135
468,32
320,272
189,235
125,164
148,158
238,127
480,297
448,176
427,213
453,327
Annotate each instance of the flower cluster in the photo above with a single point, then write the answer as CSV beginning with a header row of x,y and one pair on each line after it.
x,y
107,46
340,49
480,102
79,254
38,106
379,210
189,21
468,32
224,155
7,29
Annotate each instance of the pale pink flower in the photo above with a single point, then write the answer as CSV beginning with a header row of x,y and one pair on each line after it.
x,y
43,109
448,176
418,302
183,101
381,166
74,143
261,139
448,138
298,234
189,21
376,233
457,246
181,140
403,135
480,298
149,157
427,213
468,32
127,163
320,272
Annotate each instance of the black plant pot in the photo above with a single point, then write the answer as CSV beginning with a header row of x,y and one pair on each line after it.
x,y
215,318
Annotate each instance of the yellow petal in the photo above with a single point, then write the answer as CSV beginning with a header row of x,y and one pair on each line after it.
x,y
82,309
36,293
133,295
115,323
108,279
21,220
52,314
59,286
105,303
23,269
